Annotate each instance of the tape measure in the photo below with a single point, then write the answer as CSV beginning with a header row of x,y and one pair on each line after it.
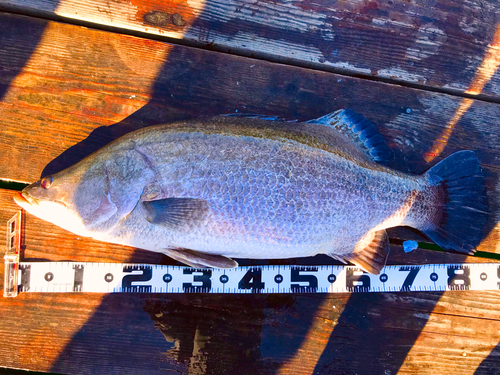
x,y
69,277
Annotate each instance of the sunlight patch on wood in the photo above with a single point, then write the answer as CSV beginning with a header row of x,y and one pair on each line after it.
x,y
440,143
131,14
313,345
492,241
90,87
485,71
451,331
48,340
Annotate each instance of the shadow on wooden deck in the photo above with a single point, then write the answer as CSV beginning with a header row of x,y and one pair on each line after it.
x,y
10,30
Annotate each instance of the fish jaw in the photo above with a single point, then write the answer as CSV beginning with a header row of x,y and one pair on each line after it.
x,y
22,200
54,212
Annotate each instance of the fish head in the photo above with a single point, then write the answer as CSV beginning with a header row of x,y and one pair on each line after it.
x,y
88,198
70,199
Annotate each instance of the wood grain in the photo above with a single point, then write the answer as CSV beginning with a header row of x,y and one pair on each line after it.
x,y
438,44
82,88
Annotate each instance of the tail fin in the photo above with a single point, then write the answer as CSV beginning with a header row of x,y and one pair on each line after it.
x,y
465,213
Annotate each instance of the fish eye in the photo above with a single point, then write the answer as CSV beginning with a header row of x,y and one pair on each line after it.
x,y
46,182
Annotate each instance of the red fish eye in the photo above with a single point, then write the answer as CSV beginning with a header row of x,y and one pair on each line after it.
x,y
46,182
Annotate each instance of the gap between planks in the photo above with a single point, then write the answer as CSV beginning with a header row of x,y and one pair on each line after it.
x,y
242,52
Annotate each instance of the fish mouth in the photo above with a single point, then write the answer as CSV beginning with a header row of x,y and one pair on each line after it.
x,y
25,199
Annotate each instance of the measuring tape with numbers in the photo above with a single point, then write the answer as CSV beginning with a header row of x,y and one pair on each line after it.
x,y
66,277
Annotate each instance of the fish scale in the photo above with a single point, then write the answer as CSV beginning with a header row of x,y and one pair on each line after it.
x,y
205,191
298,220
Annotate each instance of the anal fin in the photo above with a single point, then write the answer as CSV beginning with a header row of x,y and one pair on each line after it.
x,y
370,253
199,259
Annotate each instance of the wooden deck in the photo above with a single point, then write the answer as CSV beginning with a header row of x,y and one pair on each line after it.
x,y
75,74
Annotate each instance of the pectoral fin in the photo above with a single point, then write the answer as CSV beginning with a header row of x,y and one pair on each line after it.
x,y
370,253
175,212
198,259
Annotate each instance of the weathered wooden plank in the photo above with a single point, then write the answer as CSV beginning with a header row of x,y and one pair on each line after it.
x,y
82,88
439,44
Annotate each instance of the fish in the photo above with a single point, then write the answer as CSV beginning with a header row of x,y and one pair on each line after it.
x,y
206,191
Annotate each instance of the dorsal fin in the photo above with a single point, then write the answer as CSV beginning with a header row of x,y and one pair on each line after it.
x,y
360,131
354,126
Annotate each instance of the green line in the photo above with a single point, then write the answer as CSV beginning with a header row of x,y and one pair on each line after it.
x,y
477,254
431,246
11,185
486,255
434,247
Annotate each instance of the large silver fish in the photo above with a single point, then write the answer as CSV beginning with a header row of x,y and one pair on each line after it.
x,y
206,191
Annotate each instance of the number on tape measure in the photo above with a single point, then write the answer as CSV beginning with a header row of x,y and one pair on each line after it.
x,y
410,278
145,273
78,281
201,280
252,280
357,280
458,277
303,279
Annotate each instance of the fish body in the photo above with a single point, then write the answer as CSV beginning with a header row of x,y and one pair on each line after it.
x,y
206,191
